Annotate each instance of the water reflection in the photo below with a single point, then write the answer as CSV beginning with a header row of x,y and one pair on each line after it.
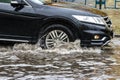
x,y
66,62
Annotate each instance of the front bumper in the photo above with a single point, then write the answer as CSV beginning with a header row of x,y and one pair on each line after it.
x,y
89,30
104,41
87,35
88,38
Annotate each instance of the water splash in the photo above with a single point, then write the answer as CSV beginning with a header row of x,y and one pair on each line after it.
x,y
66,61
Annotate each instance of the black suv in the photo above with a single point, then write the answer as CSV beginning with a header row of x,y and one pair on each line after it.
x,y
50,24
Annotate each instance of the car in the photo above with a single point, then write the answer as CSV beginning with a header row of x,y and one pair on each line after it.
x,y
49,24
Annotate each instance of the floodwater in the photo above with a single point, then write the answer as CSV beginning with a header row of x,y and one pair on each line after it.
x,y
65,62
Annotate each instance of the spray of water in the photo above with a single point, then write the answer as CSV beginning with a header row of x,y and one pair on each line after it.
x,y
67,59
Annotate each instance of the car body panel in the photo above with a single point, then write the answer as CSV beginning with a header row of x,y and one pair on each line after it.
x,y
17,24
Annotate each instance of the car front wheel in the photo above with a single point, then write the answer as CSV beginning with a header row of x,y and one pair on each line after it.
x,y
55,35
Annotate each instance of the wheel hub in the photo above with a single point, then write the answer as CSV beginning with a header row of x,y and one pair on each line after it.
x,y
55,38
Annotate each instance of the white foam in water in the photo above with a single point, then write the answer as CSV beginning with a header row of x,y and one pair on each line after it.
x,y
116,41
45,77
5,78
28,65
91,63
102,77
73,47
13,58
66,48
33,52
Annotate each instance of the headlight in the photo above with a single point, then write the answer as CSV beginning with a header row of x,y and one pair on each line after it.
x,y
96,20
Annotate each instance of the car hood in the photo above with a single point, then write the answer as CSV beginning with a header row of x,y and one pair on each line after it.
x,y
78,7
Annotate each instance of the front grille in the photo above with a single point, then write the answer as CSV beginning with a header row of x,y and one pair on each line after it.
x,y
108,21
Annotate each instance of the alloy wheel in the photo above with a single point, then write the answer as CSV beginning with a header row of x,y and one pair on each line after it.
x,y
56,37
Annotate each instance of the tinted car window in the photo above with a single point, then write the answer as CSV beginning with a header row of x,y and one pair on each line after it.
x,y
5,1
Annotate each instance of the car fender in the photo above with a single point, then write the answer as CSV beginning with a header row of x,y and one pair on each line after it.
x,y
72,25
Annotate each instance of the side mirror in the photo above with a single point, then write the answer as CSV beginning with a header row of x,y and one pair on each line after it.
x,y
17,3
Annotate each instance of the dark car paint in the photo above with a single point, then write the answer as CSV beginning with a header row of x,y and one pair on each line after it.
x,y
30,21
18,24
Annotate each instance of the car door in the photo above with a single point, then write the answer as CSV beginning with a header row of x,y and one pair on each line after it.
x,y
17,24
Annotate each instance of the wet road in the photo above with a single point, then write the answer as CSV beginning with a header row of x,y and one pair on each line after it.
x,y
66,62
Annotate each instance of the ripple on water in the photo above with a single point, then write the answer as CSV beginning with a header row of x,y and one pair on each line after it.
x,y
65,62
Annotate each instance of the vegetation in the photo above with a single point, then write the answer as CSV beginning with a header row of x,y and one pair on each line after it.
x,y
5,1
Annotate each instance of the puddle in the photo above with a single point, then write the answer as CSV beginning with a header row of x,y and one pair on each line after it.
x,y
66,62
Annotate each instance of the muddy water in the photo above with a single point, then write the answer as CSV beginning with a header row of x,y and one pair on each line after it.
x,y
65,62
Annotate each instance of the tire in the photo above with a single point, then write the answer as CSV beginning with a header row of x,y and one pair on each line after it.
x,y
55,34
